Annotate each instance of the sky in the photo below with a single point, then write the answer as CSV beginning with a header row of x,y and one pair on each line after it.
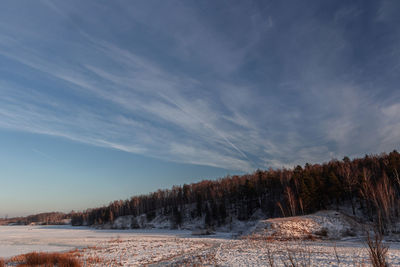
x,y
103,100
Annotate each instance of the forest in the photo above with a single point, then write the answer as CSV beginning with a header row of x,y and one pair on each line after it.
x,y
368,186
40,218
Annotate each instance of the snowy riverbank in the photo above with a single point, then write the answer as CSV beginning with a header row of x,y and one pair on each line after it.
x,y
162,247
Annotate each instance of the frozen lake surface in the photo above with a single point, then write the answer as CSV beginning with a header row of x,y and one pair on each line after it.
x,y
16,240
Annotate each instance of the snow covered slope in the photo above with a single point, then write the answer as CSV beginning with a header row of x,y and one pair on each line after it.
x,y
321,225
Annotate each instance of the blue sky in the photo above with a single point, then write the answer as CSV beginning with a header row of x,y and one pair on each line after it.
x,y
102,100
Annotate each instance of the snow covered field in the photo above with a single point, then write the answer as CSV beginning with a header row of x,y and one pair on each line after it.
x,y
163,247
16,240
163,251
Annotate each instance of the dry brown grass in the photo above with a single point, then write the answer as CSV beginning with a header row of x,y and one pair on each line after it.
x,y
276,237
117,240
93,261
2,263
42,259
377,250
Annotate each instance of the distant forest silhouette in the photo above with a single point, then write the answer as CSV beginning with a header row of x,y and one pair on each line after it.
x,y
368,187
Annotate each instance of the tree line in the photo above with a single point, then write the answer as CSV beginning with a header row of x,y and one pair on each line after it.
x,y
45,218
369,186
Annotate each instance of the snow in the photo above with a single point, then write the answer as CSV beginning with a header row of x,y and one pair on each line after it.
x,y
185,251
255,253
323,224
143,250
162,247
16,240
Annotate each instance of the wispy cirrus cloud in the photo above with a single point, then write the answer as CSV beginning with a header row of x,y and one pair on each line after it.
x,y
168,81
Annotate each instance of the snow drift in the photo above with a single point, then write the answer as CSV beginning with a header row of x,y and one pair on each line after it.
x,y
321,225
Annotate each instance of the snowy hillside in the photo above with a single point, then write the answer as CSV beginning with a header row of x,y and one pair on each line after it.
x,y
321,225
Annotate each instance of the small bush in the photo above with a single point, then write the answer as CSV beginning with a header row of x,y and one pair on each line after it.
x,y
349,232
49,259
2,264
150,215
310,237
323,232
377,250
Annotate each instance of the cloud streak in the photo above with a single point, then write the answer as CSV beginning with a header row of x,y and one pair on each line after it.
x,y
183,88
